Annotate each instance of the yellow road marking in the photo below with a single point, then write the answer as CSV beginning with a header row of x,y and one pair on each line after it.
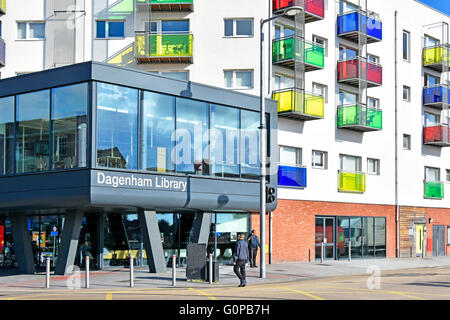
x,y
108,296
303,293
405,294
203,293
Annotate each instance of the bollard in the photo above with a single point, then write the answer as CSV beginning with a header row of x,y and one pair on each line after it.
x,y
210,269
47,273
131,272
321,252
349,250
423,249
86,259
174,270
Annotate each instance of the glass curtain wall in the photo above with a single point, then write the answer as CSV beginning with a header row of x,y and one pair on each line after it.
x,y
249,157
7,135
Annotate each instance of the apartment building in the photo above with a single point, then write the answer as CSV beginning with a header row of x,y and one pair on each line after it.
x,y
362,93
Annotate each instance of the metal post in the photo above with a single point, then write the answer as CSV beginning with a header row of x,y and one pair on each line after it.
x,y
47,273
131,272
321,251
174,270
87,272
210,269
81,258
349,250
423,248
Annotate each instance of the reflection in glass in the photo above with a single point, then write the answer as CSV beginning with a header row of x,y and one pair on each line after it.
x,y
117,125
6,135
69,116
224,137
192,138
356,236
380,237
343,232
368,243
158,126
32,136
249,158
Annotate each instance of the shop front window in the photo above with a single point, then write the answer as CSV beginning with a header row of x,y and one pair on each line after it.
x,y
6,135
249,158
32,136
7,252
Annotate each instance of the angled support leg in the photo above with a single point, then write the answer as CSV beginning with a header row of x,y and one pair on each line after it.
x,y
22,243
148,222
69,243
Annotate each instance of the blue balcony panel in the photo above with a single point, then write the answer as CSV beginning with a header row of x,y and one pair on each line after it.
x,y
291,176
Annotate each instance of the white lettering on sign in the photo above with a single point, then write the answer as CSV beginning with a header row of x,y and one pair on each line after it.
x,y
156,182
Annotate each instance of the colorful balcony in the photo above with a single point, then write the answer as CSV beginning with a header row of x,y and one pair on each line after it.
x,y
164,48
436,96
296,104
351,182
291,176
351,24
357,69
168,5
287,51
359,118
436,58
436,135
433,189
2,7
2,53
314,9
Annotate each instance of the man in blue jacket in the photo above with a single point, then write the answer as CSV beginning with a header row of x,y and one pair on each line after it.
x,y
253,244
240,258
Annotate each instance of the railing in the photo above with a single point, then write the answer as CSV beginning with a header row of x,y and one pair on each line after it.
x,y
2,52
2,7
294,48
436,55
291,176
351,181
312,7
436,134
355,21
433,189
436,94
297,101
359,115
357,68
149,45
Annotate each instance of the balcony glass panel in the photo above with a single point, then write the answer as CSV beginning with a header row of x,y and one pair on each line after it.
x,y
354,115
435,94
436,134
433,189
163,45
349,22
348,70
292,100
290,176
291,48
2,6
315,7
436,55
352,181
2,52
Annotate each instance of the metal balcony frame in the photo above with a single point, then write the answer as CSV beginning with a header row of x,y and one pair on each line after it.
x,y
171,7
295,114
356,127
354,35
355,81
355,172
437,143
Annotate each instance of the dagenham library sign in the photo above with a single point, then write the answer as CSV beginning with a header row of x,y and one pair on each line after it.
x,y
138,181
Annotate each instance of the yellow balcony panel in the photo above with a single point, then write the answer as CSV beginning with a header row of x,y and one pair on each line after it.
x,y
296,104
436,58
2,7
354,182
164,48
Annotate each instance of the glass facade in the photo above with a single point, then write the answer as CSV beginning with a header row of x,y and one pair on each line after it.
x,y
6,135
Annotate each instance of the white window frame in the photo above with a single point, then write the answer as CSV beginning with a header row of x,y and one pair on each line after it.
x,y
376,59
235,28
376,100
298,156
107,37
438,173
408,90
377,166
27,30
358,162
233,81
408,136
324,155
408,46
447,175
324,87
325,43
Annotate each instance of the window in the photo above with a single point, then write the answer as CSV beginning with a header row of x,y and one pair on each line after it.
x,y
179,75
406,45
431,119
249,156
238,79
30,30
283,82
406,142
0,29
282,31
346,53
174,26
290,156
373,59
319,159
373,166
448,235
110,29
373,103
447,175
6,135
322,42
238,27
345,6
430,41
432,174
350,163
406,94
431,80
347,98
321,89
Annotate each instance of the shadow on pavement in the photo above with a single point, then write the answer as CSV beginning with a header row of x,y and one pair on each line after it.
x,y
431,284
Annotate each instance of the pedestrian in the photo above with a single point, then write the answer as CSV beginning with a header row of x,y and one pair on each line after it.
x,y
240,258
253,244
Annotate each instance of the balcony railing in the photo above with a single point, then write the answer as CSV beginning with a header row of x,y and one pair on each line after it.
x,y
296,104
433,189
286,51
437,57
150,47
291,176
356,69
351,181
437,135
2,7
359,118
314,9
351,24
2,53
168,5
435,96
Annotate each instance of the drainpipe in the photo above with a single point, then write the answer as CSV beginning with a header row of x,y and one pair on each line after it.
x,y
397,210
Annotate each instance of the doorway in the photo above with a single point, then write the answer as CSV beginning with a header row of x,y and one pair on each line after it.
x,y
438,241
325,232
419,239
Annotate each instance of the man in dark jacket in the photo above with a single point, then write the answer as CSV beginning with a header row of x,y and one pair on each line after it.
x,y
253,244
240,258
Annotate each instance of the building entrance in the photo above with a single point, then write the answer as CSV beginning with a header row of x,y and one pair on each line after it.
x,y
325,232
438,241
419,239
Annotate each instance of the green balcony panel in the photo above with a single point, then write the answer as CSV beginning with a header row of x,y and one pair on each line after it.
x,y
287,51
352,182
361,117
297,104
164,46
434,189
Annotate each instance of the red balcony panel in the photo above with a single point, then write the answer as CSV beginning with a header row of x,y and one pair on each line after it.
x,y
282,4
315,7
374,73
435,134
348,69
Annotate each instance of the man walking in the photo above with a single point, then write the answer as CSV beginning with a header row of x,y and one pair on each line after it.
x,y
253,244
240,258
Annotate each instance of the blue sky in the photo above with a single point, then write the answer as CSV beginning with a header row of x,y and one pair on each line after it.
x,y
442,5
